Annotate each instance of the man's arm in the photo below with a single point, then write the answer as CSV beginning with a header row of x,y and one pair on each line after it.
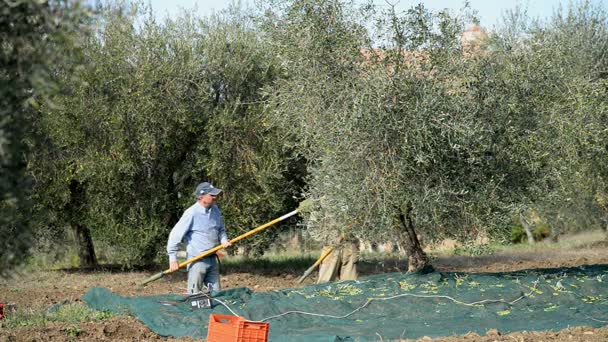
x,y
176,236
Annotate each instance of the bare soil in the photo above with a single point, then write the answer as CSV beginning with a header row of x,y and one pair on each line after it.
x,y
41,290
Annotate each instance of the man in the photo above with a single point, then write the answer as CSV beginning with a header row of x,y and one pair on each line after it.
x,y
202,228
341,262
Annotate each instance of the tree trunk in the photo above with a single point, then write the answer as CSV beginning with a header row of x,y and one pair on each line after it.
x,y
605,219
417,259
527,229
605,226
82,234
554,233
86,250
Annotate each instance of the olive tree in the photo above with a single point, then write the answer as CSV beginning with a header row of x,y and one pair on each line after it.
x,y
392,141
34,35
409,131
159,108
560,73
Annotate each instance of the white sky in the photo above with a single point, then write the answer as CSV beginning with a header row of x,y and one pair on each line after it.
x,y
489,11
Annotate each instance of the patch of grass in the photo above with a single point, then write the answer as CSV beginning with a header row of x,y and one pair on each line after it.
x,y
24,318
73,331
46,257
566,242
377,262
69,313
75,313
270,264
368,256
475,250
586,239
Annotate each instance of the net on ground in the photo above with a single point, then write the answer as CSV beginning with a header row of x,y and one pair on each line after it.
x,y
390,306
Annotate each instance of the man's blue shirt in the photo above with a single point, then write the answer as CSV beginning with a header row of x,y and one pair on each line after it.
x,y
201,228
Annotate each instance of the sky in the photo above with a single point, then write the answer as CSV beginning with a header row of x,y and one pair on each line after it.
x,y
489,11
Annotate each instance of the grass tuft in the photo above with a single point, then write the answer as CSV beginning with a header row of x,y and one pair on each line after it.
x,y
69,313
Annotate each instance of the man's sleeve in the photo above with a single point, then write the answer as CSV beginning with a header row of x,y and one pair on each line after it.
x,y
177,235
223,235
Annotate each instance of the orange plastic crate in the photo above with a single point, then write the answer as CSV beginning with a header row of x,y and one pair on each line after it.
x,y
224,328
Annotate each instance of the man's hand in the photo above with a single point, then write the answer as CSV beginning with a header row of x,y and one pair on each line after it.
x,y
226,244
173,266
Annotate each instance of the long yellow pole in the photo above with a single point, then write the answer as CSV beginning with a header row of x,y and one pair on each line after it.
x,y
218,247
317,263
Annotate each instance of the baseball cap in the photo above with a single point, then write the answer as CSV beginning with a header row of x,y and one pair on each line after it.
x,y
206,188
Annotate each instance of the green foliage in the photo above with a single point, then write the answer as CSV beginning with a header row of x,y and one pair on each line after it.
x,y
540,232
161,107
379,120
518,234
561,78
386,127
465,136
35,35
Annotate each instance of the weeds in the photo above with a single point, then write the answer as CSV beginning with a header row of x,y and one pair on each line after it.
x,y
69,313
73,331
475,250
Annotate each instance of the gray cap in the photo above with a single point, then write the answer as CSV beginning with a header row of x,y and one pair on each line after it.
x,y
206,188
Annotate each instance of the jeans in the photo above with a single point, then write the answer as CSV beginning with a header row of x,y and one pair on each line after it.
x,y
203,272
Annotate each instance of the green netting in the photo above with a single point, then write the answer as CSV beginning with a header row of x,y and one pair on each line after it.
x,y
405,305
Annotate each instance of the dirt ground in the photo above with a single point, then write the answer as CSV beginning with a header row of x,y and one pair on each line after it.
x,y
45,289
